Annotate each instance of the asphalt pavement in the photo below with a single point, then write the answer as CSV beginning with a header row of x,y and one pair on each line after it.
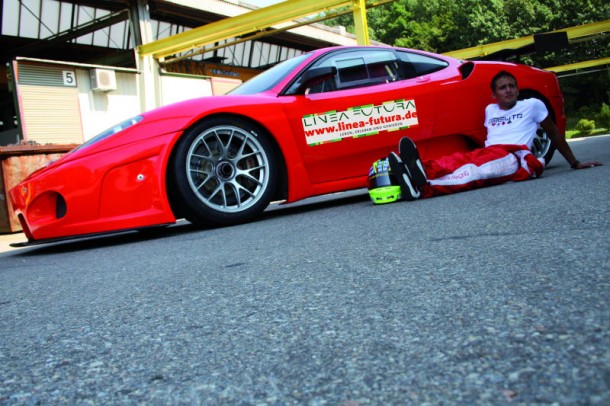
x,y
495,296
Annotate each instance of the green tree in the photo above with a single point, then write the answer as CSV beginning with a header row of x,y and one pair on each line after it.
x,y
448,25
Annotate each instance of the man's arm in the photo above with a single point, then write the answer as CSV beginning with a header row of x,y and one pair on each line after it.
x,y
562,146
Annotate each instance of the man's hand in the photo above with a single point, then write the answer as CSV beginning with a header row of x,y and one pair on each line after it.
x,y
585,165
562,146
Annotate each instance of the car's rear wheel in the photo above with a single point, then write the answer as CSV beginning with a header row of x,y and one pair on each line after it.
x,y
224,171
542,146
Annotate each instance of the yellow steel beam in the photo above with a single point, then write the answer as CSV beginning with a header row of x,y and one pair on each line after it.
x,y
587,29
260,34
580,65
360,24
572,32
243,24
273,31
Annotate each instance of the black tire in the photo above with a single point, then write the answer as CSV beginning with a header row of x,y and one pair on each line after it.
x,y
542,146
224,172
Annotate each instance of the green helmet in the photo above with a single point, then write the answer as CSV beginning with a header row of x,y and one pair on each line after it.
x,y
382,185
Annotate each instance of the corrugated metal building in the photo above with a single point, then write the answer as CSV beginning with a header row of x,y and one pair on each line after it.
x,y
70,69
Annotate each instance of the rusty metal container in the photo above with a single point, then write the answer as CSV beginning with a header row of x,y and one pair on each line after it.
x,y
16,163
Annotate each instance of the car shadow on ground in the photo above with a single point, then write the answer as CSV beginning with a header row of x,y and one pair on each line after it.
x,y
183,227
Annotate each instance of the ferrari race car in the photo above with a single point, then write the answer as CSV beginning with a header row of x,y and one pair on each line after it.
x,y
311,125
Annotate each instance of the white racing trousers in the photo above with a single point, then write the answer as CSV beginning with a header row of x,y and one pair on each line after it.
x,y
482,167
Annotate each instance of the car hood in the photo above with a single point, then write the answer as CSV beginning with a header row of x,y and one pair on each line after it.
x,y
167,121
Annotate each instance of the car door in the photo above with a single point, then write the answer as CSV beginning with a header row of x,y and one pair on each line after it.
x,y
344,123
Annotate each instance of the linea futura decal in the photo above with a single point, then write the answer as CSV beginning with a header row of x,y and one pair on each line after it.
x,y
361,121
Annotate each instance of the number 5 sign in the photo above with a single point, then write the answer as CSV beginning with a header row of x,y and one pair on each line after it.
x,y
69,77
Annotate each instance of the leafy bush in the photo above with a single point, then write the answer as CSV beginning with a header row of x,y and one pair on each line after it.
x,y
585,126
604,116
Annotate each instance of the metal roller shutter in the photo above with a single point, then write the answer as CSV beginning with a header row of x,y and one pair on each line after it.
x,y
50,110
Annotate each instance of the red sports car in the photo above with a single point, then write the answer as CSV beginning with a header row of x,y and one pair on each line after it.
x,y
309,126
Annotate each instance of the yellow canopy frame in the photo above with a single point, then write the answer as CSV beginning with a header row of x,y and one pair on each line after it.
x,y
255,21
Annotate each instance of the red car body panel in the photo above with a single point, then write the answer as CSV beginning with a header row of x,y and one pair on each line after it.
x,y
120,182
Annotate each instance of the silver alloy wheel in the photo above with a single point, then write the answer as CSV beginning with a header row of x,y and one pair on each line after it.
x,y
542,143
227,168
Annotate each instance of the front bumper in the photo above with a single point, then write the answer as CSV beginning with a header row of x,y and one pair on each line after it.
x,y
116,189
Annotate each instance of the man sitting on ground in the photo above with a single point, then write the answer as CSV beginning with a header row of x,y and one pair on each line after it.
x,y
505,157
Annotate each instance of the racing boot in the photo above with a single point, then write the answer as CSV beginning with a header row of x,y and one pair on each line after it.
x,y
410,157
400,171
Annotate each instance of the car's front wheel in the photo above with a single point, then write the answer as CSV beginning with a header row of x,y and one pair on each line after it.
x,y
224,171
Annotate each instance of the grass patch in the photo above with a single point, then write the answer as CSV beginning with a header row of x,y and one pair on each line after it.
x,y
577,134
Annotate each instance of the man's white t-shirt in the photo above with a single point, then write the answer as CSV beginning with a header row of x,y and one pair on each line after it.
x,y
516,126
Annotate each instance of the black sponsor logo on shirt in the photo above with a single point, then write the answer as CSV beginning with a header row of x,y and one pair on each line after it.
x,y
505,120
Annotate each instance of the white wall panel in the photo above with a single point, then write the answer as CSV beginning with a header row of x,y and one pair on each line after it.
x,y
102,110
178,88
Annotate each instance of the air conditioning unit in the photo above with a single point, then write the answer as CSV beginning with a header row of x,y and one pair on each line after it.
x,y
103,80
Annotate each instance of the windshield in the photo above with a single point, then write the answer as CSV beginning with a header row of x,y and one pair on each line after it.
x,y
269,78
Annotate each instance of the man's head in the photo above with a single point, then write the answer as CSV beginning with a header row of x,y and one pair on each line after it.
x,y
504,89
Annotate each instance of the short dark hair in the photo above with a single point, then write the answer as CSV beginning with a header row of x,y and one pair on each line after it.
x,y
499,75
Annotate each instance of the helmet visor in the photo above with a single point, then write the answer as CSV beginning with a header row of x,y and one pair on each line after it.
x,y
379,179
379,175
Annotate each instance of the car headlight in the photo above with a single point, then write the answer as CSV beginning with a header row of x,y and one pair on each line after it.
x,y
115,129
